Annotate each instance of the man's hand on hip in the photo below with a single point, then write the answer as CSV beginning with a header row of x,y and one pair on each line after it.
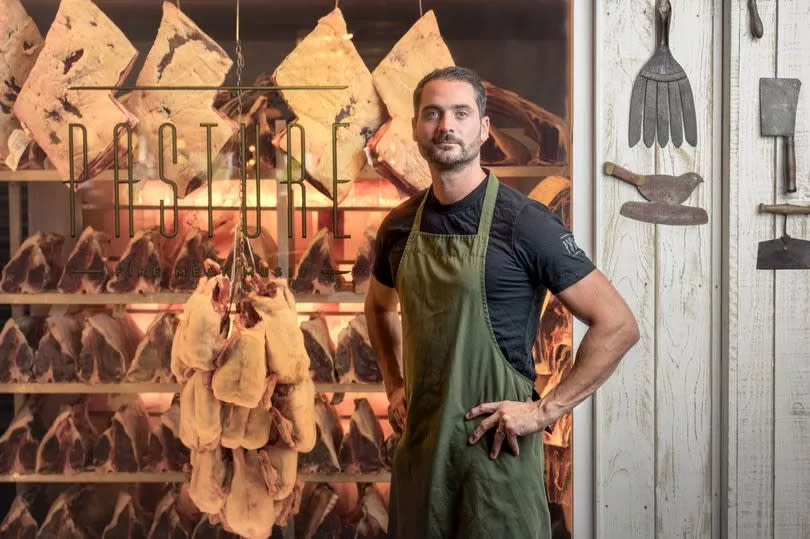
x,y
512,419
397,409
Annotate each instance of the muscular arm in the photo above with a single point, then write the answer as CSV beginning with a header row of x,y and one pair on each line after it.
x,y
385,332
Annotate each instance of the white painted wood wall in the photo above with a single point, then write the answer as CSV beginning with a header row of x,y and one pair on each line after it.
x,y
704,430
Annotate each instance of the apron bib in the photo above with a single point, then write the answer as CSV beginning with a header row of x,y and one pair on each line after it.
x,y
441,486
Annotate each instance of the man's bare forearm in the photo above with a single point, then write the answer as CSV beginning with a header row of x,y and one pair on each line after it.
x,y
598,356
385,332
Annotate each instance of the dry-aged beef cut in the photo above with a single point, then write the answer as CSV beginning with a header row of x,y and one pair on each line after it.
x,y
35,266
369,518
355,360
67,447
82,48
128,520
200,426
152,362
317,518
164,449
61,520
56,357
143,266
19,523
122,446
248,509
86,268
327,56
18,445
189,267
208,480
240,377
316,270
167,523
389,449
362,449
324,456
108,346
19,47
17,342
320,349
364,263
297,404
245,427
182,55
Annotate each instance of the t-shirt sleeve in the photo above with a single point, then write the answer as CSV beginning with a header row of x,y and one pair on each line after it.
x,y
382,258
547,248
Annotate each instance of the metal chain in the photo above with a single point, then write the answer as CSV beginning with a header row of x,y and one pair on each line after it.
x,y
420,8
236,267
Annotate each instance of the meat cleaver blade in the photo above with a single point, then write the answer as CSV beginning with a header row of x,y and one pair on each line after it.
x,y
783,253
664,214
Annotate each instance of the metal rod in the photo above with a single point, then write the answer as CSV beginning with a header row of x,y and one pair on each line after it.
x,y
207,88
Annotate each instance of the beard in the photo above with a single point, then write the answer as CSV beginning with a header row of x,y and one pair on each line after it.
x,y
455,157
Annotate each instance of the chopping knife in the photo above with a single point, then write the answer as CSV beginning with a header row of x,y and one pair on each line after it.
x,y
657,187
785,252
777,112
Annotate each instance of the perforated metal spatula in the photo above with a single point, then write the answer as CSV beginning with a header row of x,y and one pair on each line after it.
x,y
785,252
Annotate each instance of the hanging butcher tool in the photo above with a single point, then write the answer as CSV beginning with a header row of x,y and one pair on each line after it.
x,y
662,96
665,194
756,22
785,252
777,114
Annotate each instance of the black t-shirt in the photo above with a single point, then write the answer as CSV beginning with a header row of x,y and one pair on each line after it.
x,y
529,251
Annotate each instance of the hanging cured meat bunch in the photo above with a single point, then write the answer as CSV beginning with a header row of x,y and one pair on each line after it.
x,y
247,403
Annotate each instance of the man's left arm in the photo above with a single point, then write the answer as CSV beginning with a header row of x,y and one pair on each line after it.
x,y
611,333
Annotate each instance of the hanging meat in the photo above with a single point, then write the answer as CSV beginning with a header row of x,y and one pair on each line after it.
x,y
355,360
143,268
17,342
248,509
19,444
67,447
240,377
327,56
362,449
364,262
245,427
296,402
417,53
108,346
200,423
189,266
57,355
182,54
164,449
35,266
205,529
320,349
86,267
208,486
22,43
82,48
316,272
369,518
121,447
152,361
329,435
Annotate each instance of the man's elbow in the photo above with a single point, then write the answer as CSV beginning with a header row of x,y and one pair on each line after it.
x,y
629,332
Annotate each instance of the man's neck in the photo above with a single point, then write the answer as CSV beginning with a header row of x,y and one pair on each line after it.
x,y
450,186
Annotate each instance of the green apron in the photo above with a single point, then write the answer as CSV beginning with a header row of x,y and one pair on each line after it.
x,y
441,485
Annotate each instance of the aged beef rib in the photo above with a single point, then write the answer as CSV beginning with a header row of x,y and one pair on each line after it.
x,y
16,348
317,517
35,266
86,268
19,523
199,339
320,349
67,447
108,346
355,359
245,427
297,404
364,263
167,523
153,356
61,521
121,447
127,522
200,426
165,451
209,473
324,456
56,357
21,45
358,105
142,268
248,507
362,449
369,518
18,445
189,265
240,379
82,48
182,55
316,271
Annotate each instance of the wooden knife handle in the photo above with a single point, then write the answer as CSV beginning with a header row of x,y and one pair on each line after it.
x,y
756,22
784,209
612,169
790,165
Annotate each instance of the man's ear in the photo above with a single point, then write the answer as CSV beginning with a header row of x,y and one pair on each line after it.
x,y
413,128
484,128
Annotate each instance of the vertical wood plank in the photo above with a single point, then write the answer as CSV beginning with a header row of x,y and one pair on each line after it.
x,y
750,291
624,406
792,291
684,301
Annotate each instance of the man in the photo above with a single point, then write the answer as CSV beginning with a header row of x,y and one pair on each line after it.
x,y
470,261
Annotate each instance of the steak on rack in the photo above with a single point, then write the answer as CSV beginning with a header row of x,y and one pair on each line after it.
x,y
362,449
128,520
324,456
152,362
67,447
86,268
143,266
61,520
318,517
320,349
16,348
296,403
18,445
167,522
165,451
57,355
108,346
19,523
364,263
316,273
83,48
188,267
35,266
355,360
122,446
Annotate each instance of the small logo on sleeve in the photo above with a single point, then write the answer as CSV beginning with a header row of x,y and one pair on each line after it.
x,y
570,245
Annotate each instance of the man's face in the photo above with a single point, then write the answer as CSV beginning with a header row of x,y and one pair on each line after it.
x,y
448,128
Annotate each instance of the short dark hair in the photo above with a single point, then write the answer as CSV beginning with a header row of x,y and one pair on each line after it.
x,y
453,73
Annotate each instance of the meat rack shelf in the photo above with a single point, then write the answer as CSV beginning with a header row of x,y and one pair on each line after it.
x,y
58,298
176,477
84,388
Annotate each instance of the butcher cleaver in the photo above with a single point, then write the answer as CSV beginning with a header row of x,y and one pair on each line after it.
x,y
777,118
785,252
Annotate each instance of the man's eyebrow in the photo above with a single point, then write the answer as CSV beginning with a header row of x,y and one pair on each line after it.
x,y
454,107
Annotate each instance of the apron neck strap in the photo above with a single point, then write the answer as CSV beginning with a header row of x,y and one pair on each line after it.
x,y
487,210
